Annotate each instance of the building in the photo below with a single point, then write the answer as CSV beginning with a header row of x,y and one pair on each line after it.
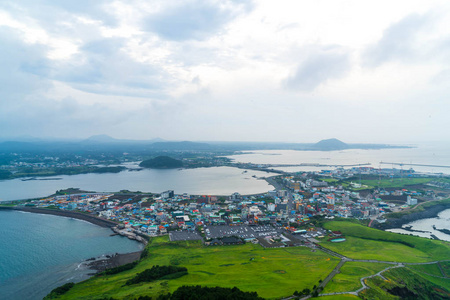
x,y
167,194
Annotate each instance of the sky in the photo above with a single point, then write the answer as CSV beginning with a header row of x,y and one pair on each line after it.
x,y
228,70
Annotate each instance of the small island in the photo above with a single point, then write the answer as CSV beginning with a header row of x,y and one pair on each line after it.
x,y
161,162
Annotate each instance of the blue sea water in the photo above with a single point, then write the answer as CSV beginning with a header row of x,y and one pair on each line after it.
x,y
41,252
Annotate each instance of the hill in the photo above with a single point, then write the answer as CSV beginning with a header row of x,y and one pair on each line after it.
x,y
162,162
330,144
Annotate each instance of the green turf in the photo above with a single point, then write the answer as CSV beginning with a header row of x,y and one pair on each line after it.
x,y
272,273
368,243
348,280
396,182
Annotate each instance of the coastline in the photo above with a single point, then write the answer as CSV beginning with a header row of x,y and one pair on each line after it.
x,y
429,212
98,264
112,261
68,214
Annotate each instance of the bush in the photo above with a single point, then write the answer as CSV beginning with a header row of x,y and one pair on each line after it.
x,y
118,269
157,272
216,293
60,290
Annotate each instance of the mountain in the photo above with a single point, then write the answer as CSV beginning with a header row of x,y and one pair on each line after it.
x,y
186,145
101,138
330,144
106,139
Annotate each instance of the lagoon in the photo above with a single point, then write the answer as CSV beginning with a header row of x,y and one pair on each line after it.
x,y
200,181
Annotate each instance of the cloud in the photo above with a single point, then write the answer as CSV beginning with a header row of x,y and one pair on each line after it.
x,y
194,20
49,12
318,68
103,67
22,67
400,41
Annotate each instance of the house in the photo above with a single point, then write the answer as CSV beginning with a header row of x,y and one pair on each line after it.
x,y
214,242
231,240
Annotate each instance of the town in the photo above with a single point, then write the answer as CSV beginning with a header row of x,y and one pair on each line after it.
x,y
285,216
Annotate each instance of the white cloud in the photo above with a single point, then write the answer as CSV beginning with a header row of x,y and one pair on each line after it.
x,y
219,69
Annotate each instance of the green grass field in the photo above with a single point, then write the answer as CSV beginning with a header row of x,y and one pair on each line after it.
x,y
368,243
384,182
348,279
396,182
272,273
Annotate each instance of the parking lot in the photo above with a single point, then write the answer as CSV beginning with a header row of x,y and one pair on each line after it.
x,y
184,236
244,231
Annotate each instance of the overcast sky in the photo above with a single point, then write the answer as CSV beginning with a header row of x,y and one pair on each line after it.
x,y
294,71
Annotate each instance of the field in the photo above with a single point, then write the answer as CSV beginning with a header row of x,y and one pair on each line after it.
x,y
272,273
349,277
396,182
373,181
368,243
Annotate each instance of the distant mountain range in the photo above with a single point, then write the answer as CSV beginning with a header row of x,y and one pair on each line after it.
x,y
108,143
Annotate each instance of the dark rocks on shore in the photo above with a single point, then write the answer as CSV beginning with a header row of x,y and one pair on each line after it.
x,y
112,261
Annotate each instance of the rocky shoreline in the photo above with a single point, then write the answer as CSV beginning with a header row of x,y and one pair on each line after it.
x,y
103,263
430,212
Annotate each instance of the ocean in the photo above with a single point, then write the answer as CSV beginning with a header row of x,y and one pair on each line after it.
x,y
41,252
427,154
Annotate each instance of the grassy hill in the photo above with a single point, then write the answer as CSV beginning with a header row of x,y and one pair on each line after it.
x,y
272,273
278,272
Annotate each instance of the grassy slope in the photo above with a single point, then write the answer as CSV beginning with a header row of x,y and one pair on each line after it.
x,y
348,279
273,273
384,245
446,268
420,285
428,269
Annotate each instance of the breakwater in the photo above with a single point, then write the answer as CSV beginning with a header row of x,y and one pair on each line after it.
x,y
68,214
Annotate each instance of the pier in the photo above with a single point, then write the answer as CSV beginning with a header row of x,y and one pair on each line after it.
x,y
417,165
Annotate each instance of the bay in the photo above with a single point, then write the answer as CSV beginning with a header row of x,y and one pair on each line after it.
x,y
427,154
200,181
41,252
